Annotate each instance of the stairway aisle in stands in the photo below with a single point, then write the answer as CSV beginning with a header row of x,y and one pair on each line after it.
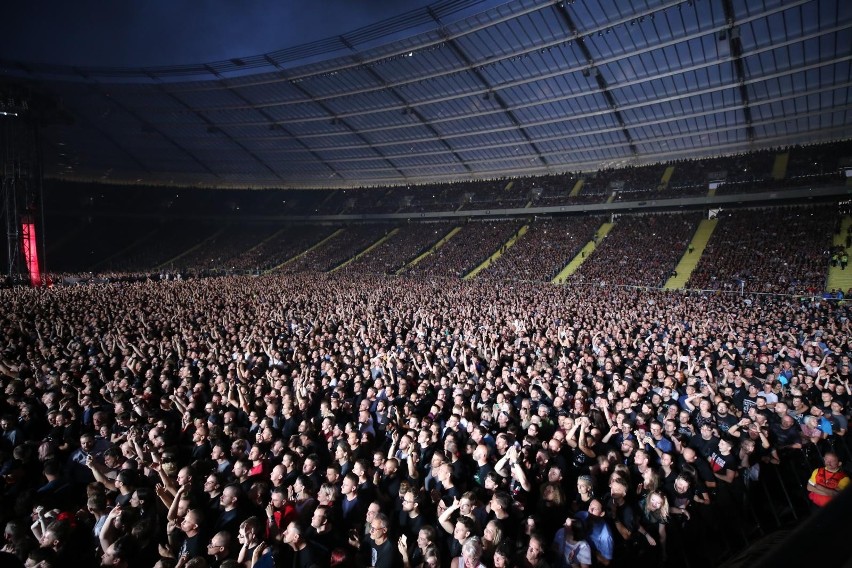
x,y
281,265
171,262
667,176
578,187
584,253
839,279
498,253
367,250
441,242
779,167
692,254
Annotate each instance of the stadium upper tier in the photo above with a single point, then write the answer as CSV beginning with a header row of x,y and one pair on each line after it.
x,y
776,171
528,87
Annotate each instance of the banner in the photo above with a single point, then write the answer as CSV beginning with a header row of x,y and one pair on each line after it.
x,y
30,246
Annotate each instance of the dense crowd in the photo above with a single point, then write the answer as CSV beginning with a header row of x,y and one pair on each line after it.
x,y
468,248
629,182
282,246
226,249
159,245
328,255
784,250
544,250
807,166
735,171
405,245
309,420
640,251
780,251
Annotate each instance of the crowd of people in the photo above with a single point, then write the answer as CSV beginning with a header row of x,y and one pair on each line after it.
x,y
781,251
330,254
226,248
467,249
807,166
320,420
640,251
406,244
544,250
281,247
630,182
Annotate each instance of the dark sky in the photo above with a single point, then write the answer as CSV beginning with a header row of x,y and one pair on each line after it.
x,y
168,32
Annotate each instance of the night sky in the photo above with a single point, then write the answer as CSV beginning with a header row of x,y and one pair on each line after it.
x,y
170,32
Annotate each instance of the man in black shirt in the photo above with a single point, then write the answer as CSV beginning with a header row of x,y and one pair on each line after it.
x,y
724,419
321,531
219,548
705,443
750,399
193,544
739,391
788,435
305,554
703,472
410,518
383,554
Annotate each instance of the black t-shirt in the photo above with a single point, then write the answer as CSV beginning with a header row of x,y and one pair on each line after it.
x,y
626,514
721,464
312,556
385,555
739,393
193,546
680,500
480,474
685,430
410,527
63,435
704,472
786,437
724,423
580,460
704,448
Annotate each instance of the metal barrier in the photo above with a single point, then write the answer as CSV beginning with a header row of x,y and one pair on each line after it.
x,y
777,502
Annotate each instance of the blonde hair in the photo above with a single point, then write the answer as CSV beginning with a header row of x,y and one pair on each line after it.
x,y
663,513
555,491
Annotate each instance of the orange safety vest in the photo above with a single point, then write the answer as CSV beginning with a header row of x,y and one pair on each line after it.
x,y
828,480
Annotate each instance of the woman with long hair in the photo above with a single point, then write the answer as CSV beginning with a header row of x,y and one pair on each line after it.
x,y
492,537
651,481
414,556
431,557
652,526
552,508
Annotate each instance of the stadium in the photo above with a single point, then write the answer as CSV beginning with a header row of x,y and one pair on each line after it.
x,y
524,283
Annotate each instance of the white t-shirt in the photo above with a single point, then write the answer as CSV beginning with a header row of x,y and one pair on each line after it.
x,y
573,555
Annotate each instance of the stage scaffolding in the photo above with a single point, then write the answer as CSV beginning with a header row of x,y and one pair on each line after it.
x,y
21,184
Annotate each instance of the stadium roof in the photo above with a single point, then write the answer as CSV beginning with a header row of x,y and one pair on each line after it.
x,y
526,87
